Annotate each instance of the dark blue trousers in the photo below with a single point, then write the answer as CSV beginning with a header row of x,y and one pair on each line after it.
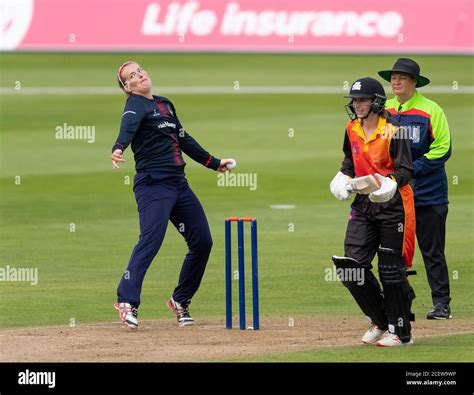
x,y
431,235
161,199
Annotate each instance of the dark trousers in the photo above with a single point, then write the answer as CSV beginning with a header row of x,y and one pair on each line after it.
x,y
388,225
430,233
160,200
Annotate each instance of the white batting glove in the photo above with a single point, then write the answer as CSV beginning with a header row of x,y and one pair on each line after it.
x,y
387,189
363,185
339,186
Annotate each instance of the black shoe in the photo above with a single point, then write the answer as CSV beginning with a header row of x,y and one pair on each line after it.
x,y
440,312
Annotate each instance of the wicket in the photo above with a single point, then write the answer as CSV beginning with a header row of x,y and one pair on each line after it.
x,y
241,271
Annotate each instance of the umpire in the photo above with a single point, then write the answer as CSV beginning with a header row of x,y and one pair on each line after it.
x,y
428,129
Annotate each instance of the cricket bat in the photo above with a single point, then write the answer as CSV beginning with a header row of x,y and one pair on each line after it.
x,y
363,185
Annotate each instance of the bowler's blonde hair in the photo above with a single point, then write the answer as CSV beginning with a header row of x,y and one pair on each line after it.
x,y
119,75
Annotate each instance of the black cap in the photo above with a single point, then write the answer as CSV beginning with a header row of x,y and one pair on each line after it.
x,y
366,87
408,66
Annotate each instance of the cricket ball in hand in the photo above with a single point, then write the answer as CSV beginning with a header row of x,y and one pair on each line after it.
x,y
231,165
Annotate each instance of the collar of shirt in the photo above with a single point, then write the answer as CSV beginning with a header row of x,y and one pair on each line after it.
x,y
381,129
409,104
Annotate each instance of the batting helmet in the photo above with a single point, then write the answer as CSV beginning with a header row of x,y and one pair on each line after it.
x,y
367,88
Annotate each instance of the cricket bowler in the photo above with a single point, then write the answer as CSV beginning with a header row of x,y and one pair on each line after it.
x,y
150,124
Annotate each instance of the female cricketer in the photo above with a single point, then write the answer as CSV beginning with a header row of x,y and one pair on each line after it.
x,y
377,166
150,124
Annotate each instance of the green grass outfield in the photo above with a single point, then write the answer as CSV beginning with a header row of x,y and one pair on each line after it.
x,y
64,182
442,349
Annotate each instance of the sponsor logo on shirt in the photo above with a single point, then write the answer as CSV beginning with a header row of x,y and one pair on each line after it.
x,y
416,134
166,124
355,148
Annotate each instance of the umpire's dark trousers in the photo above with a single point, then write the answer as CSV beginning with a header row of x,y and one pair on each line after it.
x,y
430,233
161,199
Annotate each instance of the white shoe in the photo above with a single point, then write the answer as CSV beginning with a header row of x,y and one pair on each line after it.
x,y
392,340
128,314
372,335
182,312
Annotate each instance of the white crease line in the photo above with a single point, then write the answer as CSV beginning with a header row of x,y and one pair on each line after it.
x,y
283,206
213,90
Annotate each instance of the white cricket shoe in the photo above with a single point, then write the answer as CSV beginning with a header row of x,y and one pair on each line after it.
x,y
373,335
128,314
182,312
392,340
